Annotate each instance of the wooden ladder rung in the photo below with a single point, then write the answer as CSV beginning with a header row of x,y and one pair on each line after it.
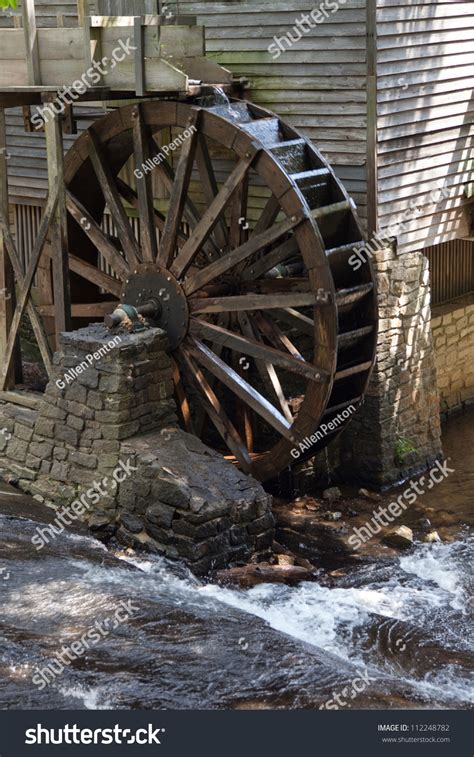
x,y
315,173
341,406
351,337
354,294
287,144
328,210
345,248
352,370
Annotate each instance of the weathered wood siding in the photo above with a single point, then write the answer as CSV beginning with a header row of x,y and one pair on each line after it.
x,y
46,13
425,67
319,85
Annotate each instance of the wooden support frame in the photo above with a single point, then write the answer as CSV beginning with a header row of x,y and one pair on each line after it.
x,y
372,172
7,281
93,47
31,42
82,11
59,241
138,39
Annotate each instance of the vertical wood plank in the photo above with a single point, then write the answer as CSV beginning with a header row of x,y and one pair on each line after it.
x,y
83,11
59,242
31,42
93,47
372,173
138,37
7,283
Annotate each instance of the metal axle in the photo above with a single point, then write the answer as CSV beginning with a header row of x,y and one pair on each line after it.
x,y
151,309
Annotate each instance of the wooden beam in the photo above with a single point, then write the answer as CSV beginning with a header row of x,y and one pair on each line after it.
x,y
93,48
7,282
59,240
97,236
24,287
144,188
138,43
372,173
179,194
31,42
212,215
112,196
83,11
24,399
36,322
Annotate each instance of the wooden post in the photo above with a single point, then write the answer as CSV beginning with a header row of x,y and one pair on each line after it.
x,y
93,46
138,42
31,42
59,241
372,173
83,11
7,281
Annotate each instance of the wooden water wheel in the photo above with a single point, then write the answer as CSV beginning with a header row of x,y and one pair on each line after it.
x,y
271,331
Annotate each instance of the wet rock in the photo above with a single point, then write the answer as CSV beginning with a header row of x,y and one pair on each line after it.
x,y
96,522
424,523
336,515
310,534
332,494
432,537
280,550
370,495
132,523
251,575
401,538
285,560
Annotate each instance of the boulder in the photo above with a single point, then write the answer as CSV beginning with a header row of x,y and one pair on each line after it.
x,y
432,537
332,494
401,538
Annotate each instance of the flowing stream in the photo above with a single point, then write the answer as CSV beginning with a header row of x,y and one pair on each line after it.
x,y
397,626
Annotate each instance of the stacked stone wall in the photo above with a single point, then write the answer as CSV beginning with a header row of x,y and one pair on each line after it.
x,y
453,337
104,443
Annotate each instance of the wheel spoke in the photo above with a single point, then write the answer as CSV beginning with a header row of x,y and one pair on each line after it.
x,y
266,370
275,336
178,197
286,250
294,318
226,262
168,176
252,302
282,286
268,216
238,213
211,217
182,399
246,346
210,188
216,412
93,274
159,219
97,236
144,188
112,198
241,388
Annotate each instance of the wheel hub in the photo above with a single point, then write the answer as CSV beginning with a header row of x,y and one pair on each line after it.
x,y
151,283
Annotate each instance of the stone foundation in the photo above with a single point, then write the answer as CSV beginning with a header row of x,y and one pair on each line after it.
x,y
104,444
452,325
396,433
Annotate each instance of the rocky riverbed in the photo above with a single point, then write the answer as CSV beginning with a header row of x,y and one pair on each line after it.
x,y
384,627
